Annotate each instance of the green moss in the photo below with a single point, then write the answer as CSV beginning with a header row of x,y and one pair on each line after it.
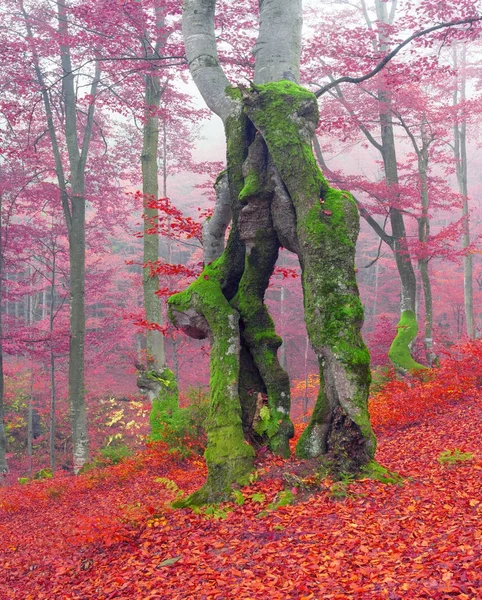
x,y
327,228
251,186
374,470
220,176
234,93
312,441
399,353
165,407
267,336
280,101
260,336
229,458
237,142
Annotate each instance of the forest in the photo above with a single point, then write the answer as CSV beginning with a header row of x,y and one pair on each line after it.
x,y
241,299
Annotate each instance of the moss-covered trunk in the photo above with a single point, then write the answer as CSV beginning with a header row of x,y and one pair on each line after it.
x,y
327,226
201,311
204,310
257,327
279,197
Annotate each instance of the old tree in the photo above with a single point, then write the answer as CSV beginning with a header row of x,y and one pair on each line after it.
x,y
275,196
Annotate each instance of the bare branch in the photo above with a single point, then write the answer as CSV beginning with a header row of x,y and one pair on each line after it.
x,y
393,53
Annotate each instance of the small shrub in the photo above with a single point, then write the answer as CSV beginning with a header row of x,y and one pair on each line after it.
x,y
182,429
448,457
284,498
112,455
43,474
238,497
267,423
340,489
212,511
258,497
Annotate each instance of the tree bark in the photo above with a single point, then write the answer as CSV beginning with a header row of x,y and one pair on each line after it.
x,y
423,263
408,282
327,228
3,437
158,380
156,358
275,61
460,152
278,196
214,229
422,152
77,153
73,205
52,363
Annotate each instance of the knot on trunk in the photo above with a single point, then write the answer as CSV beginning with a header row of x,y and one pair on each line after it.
x,y
191,322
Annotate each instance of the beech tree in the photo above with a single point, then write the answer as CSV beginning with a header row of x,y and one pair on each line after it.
x,y
278,197
158,376
460,155
372,102
3,438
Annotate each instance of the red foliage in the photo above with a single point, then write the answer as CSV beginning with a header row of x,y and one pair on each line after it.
x,y
111,533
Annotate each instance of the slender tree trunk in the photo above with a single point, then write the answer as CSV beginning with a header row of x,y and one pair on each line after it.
x,y
306,396
73,205
78,411
78,152
30,410
156,358
158,381
460,151
423,235
407,327
52,365
375,295
282,309
175,357
3,437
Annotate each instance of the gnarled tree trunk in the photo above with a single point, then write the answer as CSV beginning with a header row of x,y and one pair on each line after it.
x,y
278,197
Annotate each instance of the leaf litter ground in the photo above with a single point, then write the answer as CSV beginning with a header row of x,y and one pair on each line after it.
x,y
111,533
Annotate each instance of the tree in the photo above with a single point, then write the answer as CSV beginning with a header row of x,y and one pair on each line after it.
x,y
158,380
278,197
3,438
407,327
460,154
73,204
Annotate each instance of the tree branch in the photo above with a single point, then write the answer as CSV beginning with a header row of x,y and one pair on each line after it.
x,y
202,56
379,230
393,53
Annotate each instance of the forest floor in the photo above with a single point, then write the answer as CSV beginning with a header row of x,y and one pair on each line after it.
x,y
112,534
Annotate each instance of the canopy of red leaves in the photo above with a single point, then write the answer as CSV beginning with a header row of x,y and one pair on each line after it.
x,y
111,533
